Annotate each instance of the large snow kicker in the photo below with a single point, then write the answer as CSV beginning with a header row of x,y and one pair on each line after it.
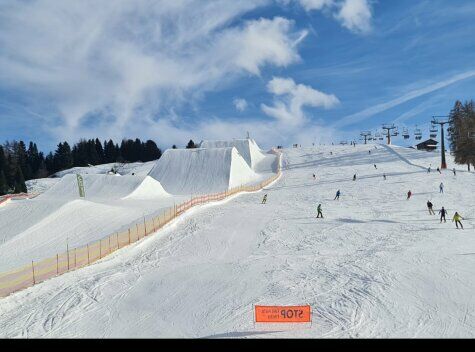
x,y
248,149
106,187
202,171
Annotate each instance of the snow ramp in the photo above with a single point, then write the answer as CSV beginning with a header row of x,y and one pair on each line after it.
x,y
106,187
201,171
248,149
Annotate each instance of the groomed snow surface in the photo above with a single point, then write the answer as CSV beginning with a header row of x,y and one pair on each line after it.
x,y
39,228
376,265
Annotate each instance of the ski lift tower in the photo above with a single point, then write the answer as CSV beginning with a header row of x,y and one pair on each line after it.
x,y
388,128
365,135
443,164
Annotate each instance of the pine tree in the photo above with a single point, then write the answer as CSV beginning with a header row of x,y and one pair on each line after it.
x,y
99,151
3,183
20,186
191,145
151,151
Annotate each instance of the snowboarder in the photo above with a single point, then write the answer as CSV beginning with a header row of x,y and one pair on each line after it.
x,y
429,206
457,217
319,211
409,194
264,200
337,196
438,169
384,176
455,174
442,213
354,177
441,188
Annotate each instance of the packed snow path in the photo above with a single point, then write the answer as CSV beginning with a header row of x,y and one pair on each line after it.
x,y
377,265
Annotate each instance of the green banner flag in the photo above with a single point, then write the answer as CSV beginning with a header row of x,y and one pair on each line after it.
x,y
81,186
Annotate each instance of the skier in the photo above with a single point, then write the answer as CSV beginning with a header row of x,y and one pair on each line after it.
x,y
337,196
441,188
457,219
264,200
314,177
319,211
369,151
429,206
331,153
375,166
384,176
354,177
438,169
442,213
409,194
455,174
428,170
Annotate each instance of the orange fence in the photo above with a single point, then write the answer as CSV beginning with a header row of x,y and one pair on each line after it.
x,y
74,258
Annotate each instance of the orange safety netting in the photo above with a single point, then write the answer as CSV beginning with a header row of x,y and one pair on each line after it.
x,y
74,258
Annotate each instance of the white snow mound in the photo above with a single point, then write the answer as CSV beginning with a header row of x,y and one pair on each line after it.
x,y
248,149
105,187
201,171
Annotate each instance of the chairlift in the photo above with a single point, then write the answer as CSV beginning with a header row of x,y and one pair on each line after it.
x,y
417,134
405,133
433,131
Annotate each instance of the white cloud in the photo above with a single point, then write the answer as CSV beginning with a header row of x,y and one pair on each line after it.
x,y
240,104
316,4
355,15
310,5
291,98
112,66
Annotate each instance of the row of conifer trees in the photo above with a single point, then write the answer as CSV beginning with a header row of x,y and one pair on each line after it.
x,y
19,163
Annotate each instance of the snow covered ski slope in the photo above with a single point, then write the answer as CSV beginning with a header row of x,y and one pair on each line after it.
x,y
376,265
202,171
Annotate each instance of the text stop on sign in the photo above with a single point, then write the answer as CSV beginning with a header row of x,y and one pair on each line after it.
x,y
283,314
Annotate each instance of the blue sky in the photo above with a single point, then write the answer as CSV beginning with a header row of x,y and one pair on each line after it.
x,y
287,71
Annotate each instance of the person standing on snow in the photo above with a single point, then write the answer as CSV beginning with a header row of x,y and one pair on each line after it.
x,y
264,200
314,177
409,194
319,211
442,213
375,166
455,174
438,169
457,219
384,176
354,177
429,206
441,188
337,196
428,170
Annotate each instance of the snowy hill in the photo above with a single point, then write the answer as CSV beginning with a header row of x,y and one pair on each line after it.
x,y
376,265
202,171
41,227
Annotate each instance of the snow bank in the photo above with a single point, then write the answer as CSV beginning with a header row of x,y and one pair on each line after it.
x,y
148,189
105,187
201,171
248,149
